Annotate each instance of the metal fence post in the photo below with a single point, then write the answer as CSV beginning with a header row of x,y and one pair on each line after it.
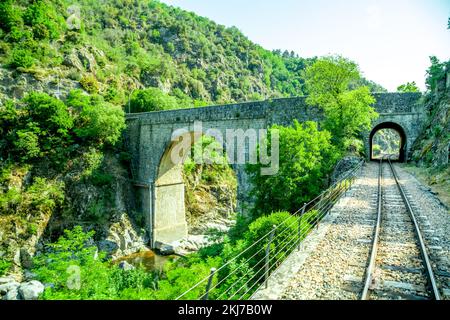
x,y
208,286
267,269
319,209
300,226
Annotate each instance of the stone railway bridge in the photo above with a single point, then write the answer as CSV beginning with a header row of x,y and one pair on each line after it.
x,y
159,183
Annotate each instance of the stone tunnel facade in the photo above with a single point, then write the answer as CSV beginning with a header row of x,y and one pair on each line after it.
x,y
159,184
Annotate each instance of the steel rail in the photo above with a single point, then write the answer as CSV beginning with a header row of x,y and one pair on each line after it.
x,y
428,268
318,202
374,250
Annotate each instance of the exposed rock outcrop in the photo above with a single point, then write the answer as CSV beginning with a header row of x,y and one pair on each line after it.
x,y
123,238
433,145
10,289
343,166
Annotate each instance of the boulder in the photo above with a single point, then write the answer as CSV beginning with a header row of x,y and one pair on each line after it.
x,y
25,258
31,290
4,280
5,288
87,59
122,238
72,60
28,275
126,266
12,294
164,249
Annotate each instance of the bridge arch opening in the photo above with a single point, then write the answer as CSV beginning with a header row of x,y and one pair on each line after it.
x,y
187,187
388,139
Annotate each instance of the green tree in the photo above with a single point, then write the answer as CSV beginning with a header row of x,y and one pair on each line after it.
x,y
44,19
103,123
97,121
408,87
22,58
348,112
435,73
306,157
51,114
10,15
43,128
151,99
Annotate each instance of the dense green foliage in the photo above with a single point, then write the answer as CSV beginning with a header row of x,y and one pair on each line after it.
x,y
151,99
136,44
73,268
431,148
436,72
408,87
4,266
348,111
306,158
45,127
147,56
77,271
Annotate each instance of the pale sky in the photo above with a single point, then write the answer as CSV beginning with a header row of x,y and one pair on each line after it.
x,y
391,40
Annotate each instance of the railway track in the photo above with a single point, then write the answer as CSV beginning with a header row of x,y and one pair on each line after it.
x,y
399,266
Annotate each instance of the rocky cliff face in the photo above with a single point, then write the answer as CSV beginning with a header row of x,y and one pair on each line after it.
x,y
96,195
433,145
210,201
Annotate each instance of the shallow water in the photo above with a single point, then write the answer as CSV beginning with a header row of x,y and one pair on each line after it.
x,y
148,260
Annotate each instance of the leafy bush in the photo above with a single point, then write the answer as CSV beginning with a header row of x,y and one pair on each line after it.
x,y
183,275
408,87
151,99
10,15
27,144
102,123
40,128
436,72
22,58
247,269
51,114
98,122
77,271
306,158
4,266
43,18
10,200
90,83
44,195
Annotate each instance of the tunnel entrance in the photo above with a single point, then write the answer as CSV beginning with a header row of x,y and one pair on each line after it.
x,y
388,139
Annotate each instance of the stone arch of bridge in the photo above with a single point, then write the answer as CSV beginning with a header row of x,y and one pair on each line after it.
x,y
396,127
169,216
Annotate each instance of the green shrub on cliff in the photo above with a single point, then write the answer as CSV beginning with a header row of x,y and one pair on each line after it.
x,y
151,99
4,266
101,123
10,15
47,127
22,58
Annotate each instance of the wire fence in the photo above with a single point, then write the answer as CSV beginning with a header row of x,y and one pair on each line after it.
x,y
248,270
